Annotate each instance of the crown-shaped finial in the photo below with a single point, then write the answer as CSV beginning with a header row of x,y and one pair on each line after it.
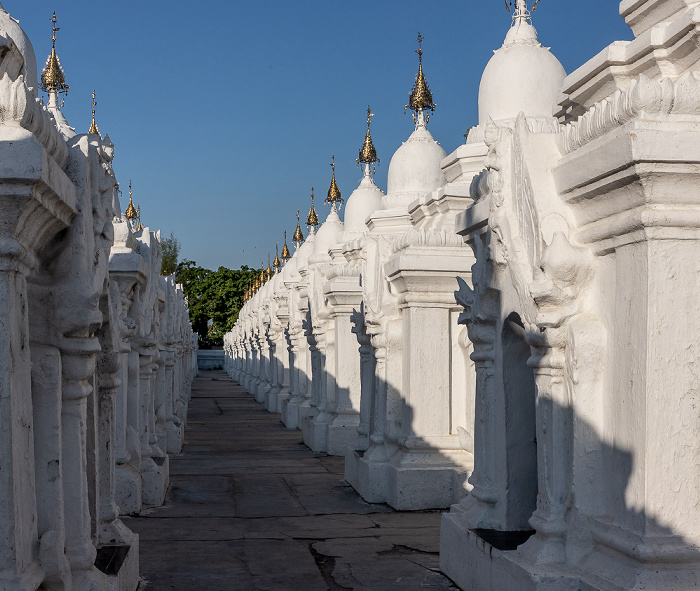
x,y
286,255
334,200
368,154
277,264
139,227
519,8
53,79
93,127
131,213
312,220
298,237
420,98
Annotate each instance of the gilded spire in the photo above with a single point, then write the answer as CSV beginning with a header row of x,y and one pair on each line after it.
x,y
312,220
139,228
368,154
298,237
53,79
334,199
420,98
286,255
93,127
277,264
131,213
268,271
519,8
261,278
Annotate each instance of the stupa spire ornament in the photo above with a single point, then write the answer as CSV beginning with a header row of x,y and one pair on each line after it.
x,y
420,99
298,238
277,264
53,80
286,255
93,126
131,214
368,154
268,271
519,9
312,220
334,200
139,228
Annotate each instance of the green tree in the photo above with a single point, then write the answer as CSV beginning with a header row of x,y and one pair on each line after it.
x,y
171,253
215,296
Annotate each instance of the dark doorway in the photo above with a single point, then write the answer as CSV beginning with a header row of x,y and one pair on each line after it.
x,y
521,430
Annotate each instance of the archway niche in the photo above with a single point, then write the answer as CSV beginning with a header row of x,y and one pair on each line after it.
x,y
520,396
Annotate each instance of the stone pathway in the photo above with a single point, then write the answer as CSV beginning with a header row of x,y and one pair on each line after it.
x,y
250,507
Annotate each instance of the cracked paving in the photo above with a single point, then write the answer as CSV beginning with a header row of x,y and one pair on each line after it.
x,y
252,508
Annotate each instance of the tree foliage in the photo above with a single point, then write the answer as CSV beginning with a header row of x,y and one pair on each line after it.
x,y
215,296
171,254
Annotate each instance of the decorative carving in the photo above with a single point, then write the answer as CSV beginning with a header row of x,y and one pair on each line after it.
x,y
651,97
18,104
427,238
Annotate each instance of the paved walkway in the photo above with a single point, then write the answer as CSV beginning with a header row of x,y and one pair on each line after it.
x,y
250,507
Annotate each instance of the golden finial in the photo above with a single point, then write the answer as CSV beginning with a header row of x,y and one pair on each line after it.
x,y
277,264
131,212
52,77
262,274
139,228
312,220
298,237
93,127
368,154
268,271
520,8
420,98
334,198
286,255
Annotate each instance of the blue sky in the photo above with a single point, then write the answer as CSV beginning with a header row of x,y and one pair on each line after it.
x,y
226,113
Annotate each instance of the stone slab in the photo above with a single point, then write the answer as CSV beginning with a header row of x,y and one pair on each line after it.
x,y
250,507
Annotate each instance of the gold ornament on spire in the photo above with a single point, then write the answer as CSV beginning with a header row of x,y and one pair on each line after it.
x,y
277,264
268,271
139,228
420,98
298,237
368,154
131,213
93,127
312,220
334,199
520,7
52,77
286,255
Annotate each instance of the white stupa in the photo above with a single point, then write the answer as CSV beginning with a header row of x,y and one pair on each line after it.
x,y
367,198
522,76
415,167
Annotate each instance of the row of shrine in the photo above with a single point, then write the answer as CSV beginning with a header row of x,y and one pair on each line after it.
x,y
511,329
96,349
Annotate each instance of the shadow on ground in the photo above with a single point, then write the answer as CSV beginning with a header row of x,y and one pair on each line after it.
x,y
252,508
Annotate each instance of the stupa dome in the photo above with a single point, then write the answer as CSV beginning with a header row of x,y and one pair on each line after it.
x,y
289,271
328,234
522,76
305,251
363,202
415,167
